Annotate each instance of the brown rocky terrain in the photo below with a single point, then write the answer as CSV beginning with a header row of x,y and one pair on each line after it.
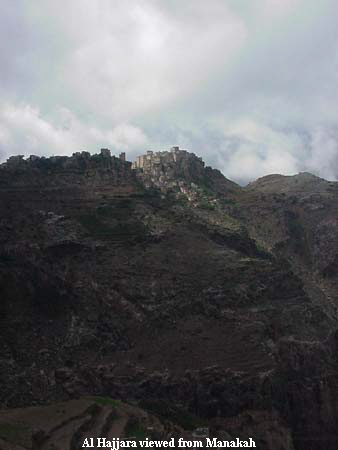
x,y
174,289
66,426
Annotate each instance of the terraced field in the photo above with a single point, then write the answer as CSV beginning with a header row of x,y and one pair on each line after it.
x,y
65,425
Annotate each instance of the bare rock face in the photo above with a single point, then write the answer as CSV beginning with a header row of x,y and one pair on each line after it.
x,y
170,286
296,218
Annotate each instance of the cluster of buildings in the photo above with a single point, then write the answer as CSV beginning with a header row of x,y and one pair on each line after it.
x,y
174,168
142,162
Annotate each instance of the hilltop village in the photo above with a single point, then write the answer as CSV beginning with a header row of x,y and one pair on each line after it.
x,y
165,170
168,168
174,155
160,167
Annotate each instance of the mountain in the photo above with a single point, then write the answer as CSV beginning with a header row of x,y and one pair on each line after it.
x,y
165,285
303,183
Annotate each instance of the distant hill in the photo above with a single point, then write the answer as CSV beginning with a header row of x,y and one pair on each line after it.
x,y
301,183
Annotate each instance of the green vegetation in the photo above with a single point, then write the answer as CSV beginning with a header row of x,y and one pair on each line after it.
x,y
116,220
6,258
135,429
120,231
130,231
205,204
94,225
121,209
105,401
106,211
181,417
48,297
226,201
16,433
206,190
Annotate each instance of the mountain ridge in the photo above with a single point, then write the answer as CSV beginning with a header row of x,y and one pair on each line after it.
x,y
155,159
169,283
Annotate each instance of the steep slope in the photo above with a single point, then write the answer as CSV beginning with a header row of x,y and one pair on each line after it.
x,y
296,218
144,294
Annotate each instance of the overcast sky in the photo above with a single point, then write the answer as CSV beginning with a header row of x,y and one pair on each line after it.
x,y
250,85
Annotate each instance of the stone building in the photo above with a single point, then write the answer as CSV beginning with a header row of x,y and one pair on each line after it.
x,y
166,169
105,152
15,161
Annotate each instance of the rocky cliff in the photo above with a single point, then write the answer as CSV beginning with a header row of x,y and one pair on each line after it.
x,y
170,286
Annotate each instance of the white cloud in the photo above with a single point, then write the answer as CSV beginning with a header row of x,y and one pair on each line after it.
x,y
323,155
251,150
24,131
128,58
249,85
273,8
